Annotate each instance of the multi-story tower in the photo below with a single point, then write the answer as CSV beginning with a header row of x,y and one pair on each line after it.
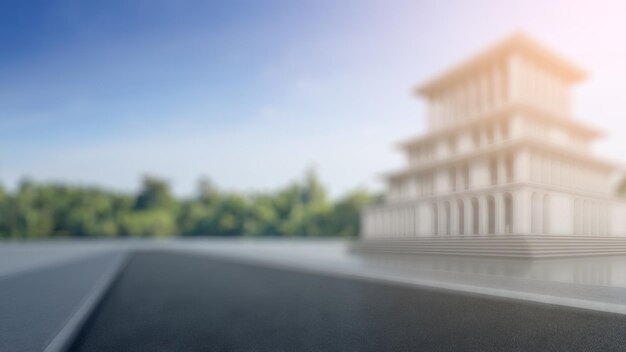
x,y
501,155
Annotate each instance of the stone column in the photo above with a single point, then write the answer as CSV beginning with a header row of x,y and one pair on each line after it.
x,y
514,70
396,222
475,86
501,166
499,213
430,113
486,92
453,105
519,166
460,111
410,221
375,226
453,218
496,87
468,105
390,224
484,141
416,223
497,133
483,215
467,215
466,100
440,217
520,212
445,108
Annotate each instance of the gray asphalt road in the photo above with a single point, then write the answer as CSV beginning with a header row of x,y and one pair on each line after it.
x,y
174,302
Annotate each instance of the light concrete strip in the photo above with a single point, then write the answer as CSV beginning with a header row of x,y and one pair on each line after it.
x,y
20,257
37,304
498,287
63,339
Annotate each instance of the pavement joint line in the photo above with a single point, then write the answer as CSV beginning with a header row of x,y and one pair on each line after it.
x,y
66,335
408,282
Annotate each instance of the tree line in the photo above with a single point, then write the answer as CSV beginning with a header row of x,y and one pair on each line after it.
x,y
302,208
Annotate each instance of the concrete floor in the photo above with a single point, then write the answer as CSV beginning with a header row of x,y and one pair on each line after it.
x,y
170,301
597,283
44,285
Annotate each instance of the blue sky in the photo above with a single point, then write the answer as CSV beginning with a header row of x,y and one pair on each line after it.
x,y
251,93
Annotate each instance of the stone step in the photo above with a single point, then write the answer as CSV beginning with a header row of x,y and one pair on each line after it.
x,y
503,246
503,238
492,250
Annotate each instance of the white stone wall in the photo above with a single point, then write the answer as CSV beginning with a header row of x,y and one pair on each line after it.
x,y
499,211
617,215
529,170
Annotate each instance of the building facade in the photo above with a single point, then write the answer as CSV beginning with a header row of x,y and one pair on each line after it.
x,y
502,155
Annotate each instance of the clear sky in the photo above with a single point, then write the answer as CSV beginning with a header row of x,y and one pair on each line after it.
x,y
252,93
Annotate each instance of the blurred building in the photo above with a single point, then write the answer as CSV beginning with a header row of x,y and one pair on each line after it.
x,y
502,155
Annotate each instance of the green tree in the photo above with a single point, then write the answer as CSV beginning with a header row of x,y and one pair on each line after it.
x,y
301,208
346,213
155,194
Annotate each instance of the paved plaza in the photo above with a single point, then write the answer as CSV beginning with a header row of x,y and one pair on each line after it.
x,y
52,289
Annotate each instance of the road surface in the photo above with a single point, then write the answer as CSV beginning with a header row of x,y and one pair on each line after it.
x,y
168,301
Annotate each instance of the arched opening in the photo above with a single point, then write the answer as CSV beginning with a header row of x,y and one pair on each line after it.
x,y
475,217
461,212
448,219
435,218
508,213
491,215
534,213
546,214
